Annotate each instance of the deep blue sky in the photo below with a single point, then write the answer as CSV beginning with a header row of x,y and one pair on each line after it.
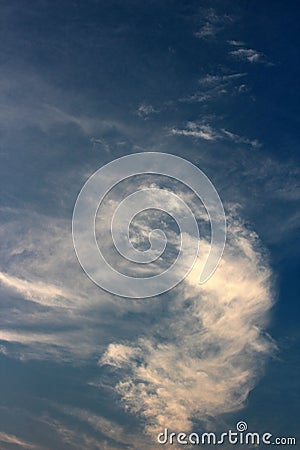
x,y
82,83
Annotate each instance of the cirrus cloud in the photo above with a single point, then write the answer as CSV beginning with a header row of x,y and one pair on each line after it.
x,y
203,358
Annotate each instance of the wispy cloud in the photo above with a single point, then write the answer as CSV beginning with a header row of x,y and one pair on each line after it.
x,y
200,358
209,79
102,143
207,30
16,441
206,364
197,131
241,139
75,439
145,110
212,86
42,293
113,434
46,312
212,23
46,108
208,133
247,54
168,375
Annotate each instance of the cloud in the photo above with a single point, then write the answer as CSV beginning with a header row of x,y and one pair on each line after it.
x,y
207,30
247,54
14,440
3,350
113,434
47,107
212,23
75,439
209,79
190,363
202,358
213,86
42,293
49,308
102,143
197,131
241,139
206,132
145,110
236,43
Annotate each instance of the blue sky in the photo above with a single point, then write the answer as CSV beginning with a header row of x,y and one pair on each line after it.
x,y
83,83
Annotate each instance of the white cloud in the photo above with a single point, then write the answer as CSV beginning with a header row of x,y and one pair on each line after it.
x,y
206,132
42,293
209,79
63,345
203,131
201,358
49,299
243,53
248,54
204,357
118,355
236,43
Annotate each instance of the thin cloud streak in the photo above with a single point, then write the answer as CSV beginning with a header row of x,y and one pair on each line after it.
x,y
14,440
39,292
208,133
197,131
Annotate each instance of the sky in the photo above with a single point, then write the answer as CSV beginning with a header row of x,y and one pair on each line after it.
x,y
83,83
